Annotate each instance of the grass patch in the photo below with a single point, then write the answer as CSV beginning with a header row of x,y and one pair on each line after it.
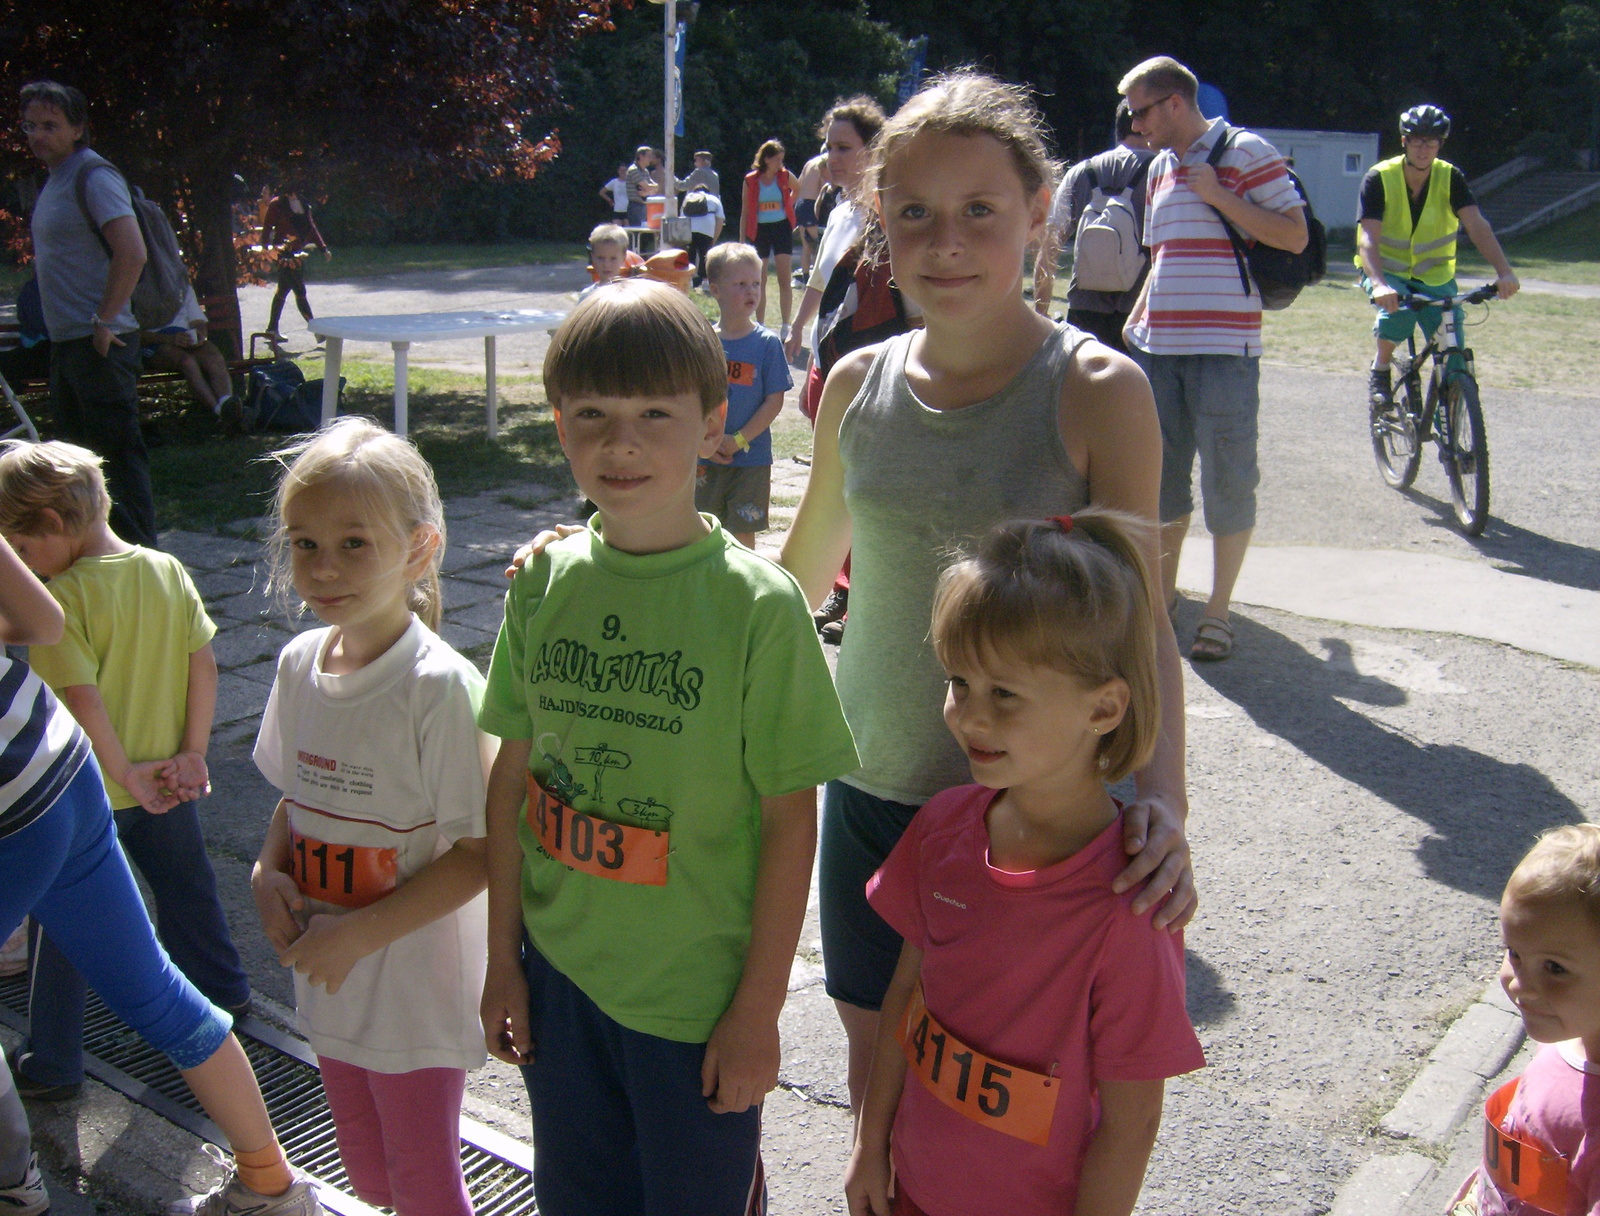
x,y
1568,251
204,479
364,261
1532,342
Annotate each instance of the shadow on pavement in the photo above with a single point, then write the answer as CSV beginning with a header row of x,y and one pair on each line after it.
x,y
1484,813
1207,999
1519,551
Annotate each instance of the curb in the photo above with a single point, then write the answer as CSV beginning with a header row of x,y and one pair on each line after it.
x,y
1475,1049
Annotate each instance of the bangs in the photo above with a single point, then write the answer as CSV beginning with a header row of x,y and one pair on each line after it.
x,y
636,340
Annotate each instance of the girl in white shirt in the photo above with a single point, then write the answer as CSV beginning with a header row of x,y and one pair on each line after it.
x,y
370,882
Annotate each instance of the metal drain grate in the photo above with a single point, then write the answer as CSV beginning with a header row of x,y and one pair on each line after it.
x,y
499,1171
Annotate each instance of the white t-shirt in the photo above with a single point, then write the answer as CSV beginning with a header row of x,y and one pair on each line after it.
x,y
842,230
388,757
706,225
619,194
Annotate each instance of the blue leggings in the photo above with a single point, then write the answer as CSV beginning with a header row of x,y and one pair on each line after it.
x,y
66,870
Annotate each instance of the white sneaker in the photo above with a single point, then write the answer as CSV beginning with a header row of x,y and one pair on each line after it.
x,y
783,332
232,1198
28,1197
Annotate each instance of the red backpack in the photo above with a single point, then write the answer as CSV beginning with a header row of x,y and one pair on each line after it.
x,y
879,311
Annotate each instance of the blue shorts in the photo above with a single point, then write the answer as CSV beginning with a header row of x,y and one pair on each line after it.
x,y
66,870
859,950
1396,327
805,212
1207,405
619,1123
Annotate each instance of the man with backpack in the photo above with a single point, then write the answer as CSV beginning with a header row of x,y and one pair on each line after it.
x,y
1099,207
89,254
1198,318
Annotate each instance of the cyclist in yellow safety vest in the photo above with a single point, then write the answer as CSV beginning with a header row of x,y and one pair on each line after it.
x,y
1412,207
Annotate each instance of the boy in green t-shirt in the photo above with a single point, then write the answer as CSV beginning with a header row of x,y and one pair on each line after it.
x,y
665,713
136,669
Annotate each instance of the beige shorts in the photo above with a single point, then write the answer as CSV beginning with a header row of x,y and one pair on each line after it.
x,y
738,495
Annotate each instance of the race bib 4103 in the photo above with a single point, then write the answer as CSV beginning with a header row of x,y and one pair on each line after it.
x,y
618,851
1002,1096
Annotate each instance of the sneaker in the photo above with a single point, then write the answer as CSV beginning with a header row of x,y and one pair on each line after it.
x,y
236,417
832,633
37,1091
28,1197
232,1198
1380,390
798,278
833,608
783,332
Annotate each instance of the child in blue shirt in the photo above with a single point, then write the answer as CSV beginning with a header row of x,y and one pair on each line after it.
x,y
735,485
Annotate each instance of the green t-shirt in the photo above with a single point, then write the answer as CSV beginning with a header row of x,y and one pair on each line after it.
x,y
133,620
673,688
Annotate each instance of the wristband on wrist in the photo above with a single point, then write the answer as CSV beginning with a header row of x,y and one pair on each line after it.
x,y
740,442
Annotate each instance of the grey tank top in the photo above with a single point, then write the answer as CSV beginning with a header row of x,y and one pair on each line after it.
x,y
919,481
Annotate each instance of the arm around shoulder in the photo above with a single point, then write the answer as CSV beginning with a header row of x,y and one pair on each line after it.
x,y
819,539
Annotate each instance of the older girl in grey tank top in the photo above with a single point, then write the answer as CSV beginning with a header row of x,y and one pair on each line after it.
x,y
917,482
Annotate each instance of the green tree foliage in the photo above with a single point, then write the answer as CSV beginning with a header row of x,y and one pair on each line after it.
x,y
756,70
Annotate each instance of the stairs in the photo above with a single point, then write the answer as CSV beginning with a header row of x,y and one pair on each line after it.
x,y
1536,199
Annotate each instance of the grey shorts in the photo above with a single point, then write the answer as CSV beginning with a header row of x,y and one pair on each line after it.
x,y
1208,405
736,494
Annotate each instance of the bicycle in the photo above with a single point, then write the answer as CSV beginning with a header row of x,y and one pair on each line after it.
x,y
1410,419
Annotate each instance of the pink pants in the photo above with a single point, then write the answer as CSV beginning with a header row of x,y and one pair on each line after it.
x,y
399,1136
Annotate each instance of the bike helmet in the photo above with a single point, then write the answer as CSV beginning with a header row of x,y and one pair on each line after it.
x,y
1427,121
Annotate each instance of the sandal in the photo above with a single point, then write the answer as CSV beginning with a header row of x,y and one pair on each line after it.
x,y
1213,640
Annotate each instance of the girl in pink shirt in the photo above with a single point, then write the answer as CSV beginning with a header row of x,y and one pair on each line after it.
x,y
1039,1014
1542,1156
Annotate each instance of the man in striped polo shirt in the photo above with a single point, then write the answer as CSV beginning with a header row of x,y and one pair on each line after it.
x,y
1198,329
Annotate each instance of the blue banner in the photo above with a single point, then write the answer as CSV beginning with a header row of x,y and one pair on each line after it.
x,y
916,65
677,81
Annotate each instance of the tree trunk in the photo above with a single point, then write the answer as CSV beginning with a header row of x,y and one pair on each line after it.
x,y
217,274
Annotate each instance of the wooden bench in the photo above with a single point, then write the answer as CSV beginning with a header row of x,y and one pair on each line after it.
x,y
226,333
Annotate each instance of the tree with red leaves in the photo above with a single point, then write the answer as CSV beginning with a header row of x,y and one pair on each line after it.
x,y
397,94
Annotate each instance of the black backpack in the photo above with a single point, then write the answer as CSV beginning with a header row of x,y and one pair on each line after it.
x,y
1279,275
163,282
696,204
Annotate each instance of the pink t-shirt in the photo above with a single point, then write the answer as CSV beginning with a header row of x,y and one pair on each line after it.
x,y
1557,1104
1049,971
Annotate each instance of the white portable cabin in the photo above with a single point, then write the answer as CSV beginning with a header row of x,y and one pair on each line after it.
x,y
1331,164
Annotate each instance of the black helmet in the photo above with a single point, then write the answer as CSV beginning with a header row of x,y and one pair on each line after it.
x,y
1425,120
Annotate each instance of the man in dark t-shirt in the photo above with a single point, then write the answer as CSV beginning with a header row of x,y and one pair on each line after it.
x,y
1412,206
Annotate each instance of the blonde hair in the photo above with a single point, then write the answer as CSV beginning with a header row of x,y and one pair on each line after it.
x,y
1079,601
771,148
635,338
54,476
729,255
1562,868
608,234
387,476
962,102
1161,74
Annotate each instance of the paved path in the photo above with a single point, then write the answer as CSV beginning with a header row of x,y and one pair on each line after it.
x,y
1363,775
1341,268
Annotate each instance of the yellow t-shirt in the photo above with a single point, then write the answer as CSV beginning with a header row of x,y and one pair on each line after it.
x,y
133,620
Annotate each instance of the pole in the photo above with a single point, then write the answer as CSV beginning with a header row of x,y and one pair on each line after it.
x,y
669,186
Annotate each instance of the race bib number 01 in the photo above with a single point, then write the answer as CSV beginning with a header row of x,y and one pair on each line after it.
x,y
1523,1168
618,851
350,875
1008,1099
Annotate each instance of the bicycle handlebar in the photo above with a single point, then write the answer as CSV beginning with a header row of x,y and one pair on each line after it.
x,y
1417,303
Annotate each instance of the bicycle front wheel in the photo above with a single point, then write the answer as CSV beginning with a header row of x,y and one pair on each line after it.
x,y
1396,443
1466,457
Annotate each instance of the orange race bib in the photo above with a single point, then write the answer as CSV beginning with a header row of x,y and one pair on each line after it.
x,y
351,875
1009,1099
617,851
741,373
1524,1168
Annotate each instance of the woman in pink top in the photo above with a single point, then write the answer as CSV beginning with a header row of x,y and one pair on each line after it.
x,y
1039,1014
768,223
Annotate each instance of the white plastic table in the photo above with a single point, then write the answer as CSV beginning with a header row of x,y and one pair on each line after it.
x,y
401,331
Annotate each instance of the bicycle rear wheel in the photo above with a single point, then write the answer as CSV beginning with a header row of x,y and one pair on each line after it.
x,y
1466,458
1396,443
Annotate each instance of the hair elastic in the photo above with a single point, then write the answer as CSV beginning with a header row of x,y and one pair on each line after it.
x,y
1064,522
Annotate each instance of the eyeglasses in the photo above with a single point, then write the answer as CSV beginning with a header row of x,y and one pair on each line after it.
x,y
1138,115
1427,141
